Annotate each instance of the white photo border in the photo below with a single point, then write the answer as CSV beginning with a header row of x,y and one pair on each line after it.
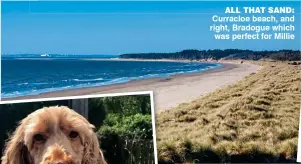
x,y
99,96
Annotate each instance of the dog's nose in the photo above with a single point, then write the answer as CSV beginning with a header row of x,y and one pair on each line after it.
x,y
60,162
57,155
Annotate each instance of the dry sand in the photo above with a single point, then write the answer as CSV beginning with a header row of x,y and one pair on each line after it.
x,y
170,91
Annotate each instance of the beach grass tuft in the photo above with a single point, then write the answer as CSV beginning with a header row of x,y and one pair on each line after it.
x,y
254,120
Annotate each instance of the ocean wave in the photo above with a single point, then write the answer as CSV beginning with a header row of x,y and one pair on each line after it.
x,y
31,92
32,84
39,83
97,79
22,84
101,81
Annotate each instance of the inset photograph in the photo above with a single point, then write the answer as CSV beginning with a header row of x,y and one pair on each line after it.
x,y
97,129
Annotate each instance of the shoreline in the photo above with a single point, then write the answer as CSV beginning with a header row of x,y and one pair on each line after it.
x,y
168,91
122,59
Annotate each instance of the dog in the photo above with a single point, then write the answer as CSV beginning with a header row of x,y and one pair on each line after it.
x,y
53,135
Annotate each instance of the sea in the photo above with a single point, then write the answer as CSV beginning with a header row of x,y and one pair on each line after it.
x,y
31,75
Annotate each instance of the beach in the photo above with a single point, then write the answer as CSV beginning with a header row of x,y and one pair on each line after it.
x,y
168,91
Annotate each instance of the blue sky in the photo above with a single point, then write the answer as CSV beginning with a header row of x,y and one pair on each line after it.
x,y
123,27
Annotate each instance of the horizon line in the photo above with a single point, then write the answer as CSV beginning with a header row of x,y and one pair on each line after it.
x,y
148,52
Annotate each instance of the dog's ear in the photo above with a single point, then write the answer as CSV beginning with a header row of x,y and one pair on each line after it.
x,y
26,159
15,151
92,153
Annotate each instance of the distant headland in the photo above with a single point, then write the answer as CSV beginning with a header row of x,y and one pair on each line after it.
x,y
217,54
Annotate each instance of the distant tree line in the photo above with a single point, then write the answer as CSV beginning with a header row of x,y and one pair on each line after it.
x,y
231,54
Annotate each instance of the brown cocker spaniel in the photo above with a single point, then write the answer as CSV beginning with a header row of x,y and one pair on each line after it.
x,y
53,135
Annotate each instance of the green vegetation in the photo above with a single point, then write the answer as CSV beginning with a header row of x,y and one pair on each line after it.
x,y
137,126
255,120
125,129
128,117
231,54
120,106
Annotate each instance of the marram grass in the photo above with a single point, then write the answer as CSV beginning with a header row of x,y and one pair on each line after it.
x,y
254,120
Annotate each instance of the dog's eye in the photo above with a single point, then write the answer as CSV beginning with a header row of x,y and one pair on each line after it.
x,y
73,134
39,138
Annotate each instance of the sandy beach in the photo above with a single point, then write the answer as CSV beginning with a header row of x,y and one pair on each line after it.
x,y
170,91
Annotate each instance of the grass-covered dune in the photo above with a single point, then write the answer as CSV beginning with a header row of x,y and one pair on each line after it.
x,y
255,120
